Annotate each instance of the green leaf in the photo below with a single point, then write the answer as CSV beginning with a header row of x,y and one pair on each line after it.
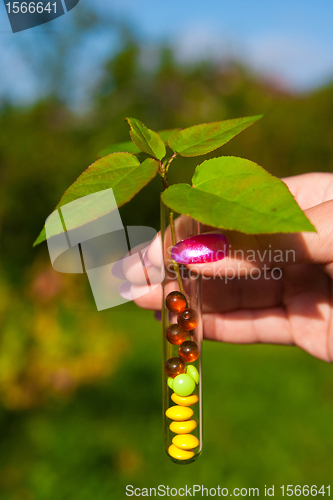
x,y
204,138
237,194
145,139
121,147
130,147
120,171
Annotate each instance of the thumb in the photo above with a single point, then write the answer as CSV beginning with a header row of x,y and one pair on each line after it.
x,y
251,253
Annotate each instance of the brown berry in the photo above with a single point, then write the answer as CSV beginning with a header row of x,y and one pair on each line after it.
x,y
189,351
188,319
175,366
176,302
175,334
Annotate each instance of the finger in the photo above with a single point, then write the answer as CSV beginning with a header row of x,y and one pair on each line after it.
x,y
310,189
223,295
151,300
250,254
269,325
130,266
144,264
133,269
154,251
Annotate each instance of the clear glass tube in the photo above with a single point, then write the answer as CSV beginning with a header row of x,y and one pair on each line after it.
x,y
182,396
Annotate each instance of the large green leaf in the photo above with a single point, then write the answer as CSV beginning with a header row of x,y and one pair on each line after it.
x,y
145,139
237,194
120,171
201,139
130,147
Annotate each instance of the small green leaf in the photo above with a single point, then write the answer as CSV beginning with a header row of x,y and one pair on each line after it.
x,y
120,147
204,138
120,171
237,194
130,147
145,139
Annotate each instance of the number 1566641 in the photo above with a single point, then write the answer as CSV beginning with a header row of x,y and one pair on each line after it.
x,y
31,7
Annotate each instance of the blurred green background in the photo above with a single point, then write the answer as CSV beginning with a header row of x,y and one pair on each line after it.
x,y
80,390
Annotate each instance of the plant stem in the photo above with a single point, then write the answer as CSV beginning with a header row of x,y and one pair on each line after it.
x,y
163,171
169,162
175,264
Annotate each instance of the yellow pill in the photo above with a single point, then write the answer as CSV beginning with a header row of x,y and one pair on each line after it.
x,y
186,441
184,401
179,454
179,413
183,427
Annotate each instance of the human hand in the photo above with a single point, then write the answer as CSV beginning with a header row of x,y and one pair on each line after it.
x,y
270,288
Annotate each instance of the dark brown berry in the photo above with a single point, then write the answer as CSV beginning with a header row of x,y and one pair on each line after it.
x,y
175,334
188,319
189,351
175,366
176,302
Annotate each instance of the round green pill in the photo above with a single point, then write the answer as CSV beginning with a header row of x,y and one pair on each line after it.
x,y
183,385
193,372
170,382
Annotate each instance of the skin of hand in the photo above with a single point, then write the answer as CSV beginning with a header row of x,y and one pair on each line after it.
x,y
293,305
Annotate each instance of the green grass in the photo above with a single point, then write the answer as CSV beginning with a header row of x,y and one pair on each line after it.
x,y
268,413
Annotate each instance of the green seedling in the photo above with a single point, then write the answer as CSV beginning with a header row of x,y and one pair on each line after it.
x,y
226,192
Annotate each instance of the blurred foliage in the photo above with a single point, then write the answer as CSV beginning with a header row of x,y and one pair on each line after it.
x,y
80,390
51,343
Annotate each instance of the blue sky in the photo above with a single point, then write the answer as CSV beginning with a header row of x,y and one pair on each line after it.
x,y
288,40
291,39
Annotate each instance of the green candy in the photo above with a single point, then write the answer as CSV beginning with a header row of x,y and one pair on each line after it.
x,y
170,382
183,385
193,372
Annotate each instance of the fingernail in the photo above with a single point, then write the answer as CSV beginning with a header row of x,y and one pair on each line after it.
x,y
124,290
117,269
200,249
146,260
158,315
